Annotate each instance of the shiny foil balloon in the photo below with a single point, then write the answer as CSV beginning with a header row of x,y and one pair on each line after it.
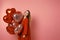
x,y
18,29
17,17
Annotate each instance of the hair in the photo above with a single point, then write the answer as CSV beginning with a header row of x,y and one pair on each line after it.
x,y
28,16
29,19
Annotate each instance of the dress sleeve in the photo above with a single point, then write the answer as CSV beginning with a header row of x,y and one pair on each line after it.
x,y
25,25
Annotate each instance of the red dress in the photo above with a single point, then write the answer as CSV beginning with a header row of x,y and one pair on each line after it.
x,y
25,31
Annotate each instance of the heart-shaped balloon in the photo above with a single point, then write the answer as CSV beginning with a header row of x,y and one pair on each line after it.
x,y
17,17
10,11
18,29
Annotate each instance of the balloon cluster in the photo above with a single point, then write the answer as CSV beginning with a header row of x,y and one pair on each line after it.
x,y
13,18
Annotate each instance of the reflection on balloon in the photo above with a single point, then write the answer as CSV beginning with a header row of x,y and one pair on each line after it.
x,y
17,17
18,29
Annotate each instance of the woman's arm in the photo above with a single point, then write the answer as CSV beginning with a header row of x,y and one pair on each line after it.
x,y
25,25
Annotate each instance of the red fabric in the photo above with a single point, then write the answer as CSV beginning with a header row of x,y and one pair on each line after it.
x,y
25,30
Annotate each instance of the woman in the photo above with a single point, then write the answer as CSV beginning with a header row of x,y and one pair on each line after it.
x,y
25,35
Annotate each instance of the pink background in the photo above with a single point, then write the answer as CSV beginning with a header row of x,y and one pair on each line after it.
x,y
45,24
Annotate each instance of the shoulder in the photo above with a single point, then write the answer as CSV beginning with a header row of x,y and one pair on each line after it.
x,y
25,20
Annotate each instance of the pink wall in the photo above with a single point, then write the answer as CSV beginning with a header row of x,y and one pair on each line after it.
x,y
45,18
